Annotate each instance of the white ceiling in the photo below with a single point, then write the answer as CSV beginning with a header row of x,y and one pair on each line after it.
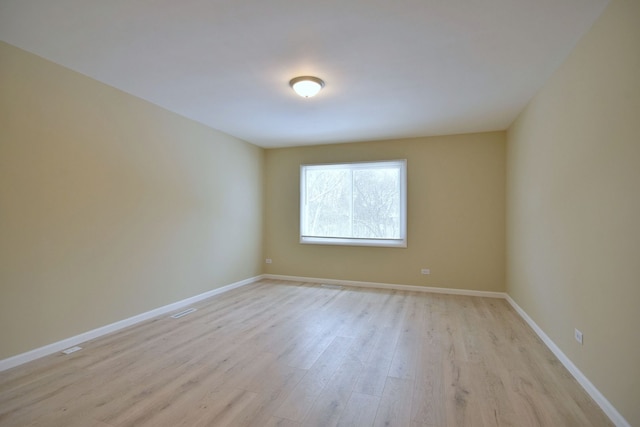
x,y
393,69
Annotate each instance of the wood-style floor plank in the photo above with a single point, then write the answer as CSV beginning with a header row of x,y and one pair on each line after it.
x,y
360,410
291,354
395,404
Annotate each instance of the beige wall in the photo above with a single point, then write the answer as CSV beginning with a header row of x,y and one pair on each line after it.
x,y
574,207
111,206
456,208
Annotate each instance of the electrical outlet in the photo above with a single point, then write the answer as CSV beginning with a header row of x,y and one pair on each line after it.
x,y
268,261
425,271
578,336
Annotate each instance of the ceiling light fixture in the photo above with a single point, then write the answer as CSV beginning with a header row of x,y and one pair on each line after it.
x,y
306,86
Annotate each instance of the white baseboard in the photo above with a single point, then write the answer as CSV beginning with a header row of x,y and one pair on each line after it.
x,y
450,291
595,394
107,329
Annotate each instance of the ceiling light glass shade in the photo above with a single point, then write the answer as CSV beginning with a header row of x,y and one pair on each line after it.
x,y
306,86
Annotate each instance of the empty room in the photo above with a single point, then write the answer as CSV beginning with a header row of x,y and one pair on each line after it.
x,y
295,213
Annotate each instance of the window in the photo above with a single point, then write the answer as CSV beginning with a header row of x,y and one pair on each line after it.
x,y
362,204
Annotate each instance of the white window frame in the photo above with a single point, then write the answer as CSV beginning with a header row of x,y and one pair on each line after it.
x,y
356,241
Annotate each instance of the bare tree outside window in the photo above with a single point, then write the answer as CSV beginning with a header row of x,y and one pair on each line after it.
x,y
376,200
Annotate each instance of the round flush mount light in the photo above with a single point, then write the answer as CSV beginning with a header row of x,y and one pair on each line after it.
x,y
306,86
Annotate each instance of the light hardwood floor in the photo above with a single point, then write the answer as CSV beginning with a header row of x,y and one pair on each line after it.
x,y
291,354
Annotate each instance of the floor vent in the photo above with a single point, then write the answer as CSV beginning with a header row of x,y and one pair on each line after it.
x,y
184,313
72,350
325,285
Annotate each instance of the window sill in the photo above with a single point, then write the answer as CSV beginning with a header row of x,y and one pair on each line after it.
x,y
385,243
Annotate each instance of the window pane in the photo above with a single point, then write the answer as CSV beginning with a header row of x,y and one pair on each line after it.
x,y
328,203
376,199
